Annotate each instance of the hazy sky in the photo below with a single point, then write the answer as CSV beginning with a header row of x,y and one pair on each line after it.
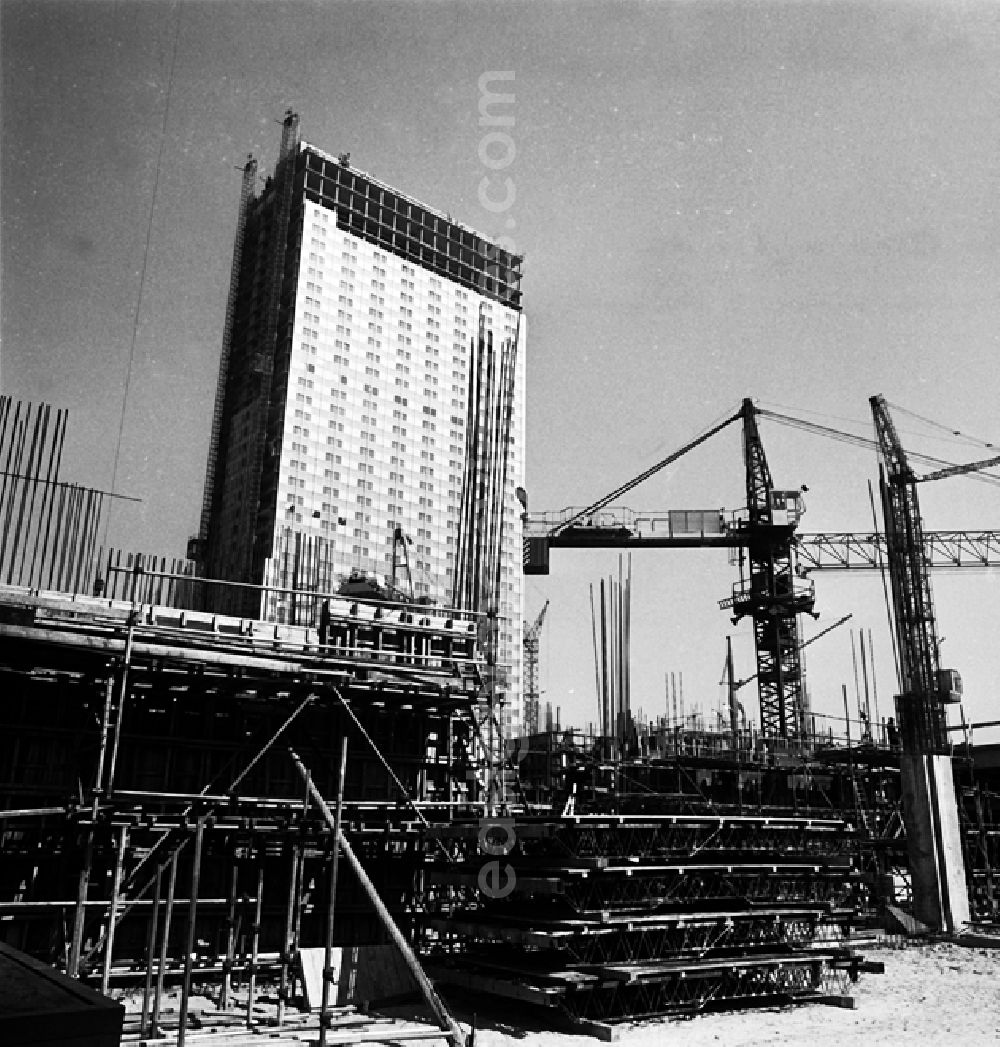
x,y
794,202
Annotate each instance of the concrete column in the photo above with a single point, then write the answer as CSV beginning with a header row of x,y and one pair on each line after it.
x,y
934,842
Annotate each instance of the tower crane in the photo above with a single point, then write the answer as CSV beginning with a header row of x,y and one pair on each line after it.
x,y
925,689
532,637
775,558
919,705
770,590
930,811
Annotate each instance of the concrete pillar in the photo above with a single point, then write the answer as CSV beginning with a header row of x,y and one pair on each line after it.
x,y
934,842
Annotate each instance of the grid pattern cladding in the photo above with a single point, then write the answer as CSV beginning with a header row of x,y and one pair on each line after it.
x,y
432,240
379,301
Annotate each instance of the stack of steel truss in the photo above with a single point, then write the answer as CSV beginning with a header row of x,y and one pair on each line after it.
x,y
612,917
979,811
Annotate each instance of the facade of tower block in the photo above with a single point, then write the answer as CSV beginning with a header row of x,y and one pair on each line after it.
x,y
361,329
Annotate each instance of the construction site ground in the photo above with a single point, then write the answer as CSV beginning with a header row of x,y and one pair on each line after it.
x,y
930,995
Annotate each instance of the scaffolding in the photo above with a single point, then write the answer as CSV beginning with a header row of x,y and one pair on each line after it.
x,y
155,828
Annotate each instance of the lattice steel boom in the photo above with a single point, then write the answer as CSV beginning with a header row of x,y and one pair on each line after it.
x,y
921,711
532,636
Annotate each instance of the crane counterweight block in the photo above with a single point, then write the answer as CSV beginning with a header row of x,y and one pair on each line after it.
x,y
535,555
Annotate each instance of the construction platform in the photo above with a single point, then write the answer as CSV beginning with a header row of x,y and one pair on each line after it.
x,y
153,826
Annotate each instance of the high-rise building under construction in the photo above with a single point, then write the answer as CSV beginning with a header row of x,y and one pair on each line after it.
x,y
369,417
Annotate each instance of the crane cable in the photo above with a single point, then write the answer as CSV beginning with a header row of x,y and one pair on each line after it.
x,y
883,571
975,440
949,435
646,474
866,442
145,263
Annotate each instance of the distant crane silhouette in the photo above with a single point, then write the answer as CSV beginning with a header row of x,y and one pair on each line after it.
x,y
532,636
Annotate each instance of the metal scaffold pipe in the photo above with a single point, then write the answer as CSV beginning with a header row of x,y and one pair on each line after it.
x,y
444,1019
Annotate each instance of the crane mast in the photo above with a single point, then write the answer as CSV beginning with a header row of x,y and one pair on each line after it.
x,y
930,809
769,592
922,721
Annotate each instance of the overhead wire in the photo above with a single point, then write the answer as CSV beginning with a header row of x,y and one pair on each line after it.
x,y
145,264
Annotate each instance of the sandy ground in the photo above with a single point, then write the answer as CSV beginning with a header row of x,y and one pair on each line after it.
x,y
933,995
930,996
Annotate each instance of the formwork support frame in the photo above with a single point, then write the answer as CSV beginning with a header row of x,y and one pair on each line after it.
x,y
192,920
231,906
154,920
324,1018
445,1021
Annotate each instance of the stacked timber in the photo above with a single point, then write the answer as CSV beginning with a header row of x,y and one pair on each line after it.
x,y
608,918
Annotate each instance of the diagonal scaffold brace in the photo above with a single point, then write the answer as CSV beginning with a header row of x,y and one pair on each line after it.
x,y
445,1021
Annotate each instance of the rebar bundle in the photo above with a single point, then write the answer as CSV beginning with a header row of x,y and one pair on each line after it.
x,y
302,569
484,482
612,635
50,528
145,578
